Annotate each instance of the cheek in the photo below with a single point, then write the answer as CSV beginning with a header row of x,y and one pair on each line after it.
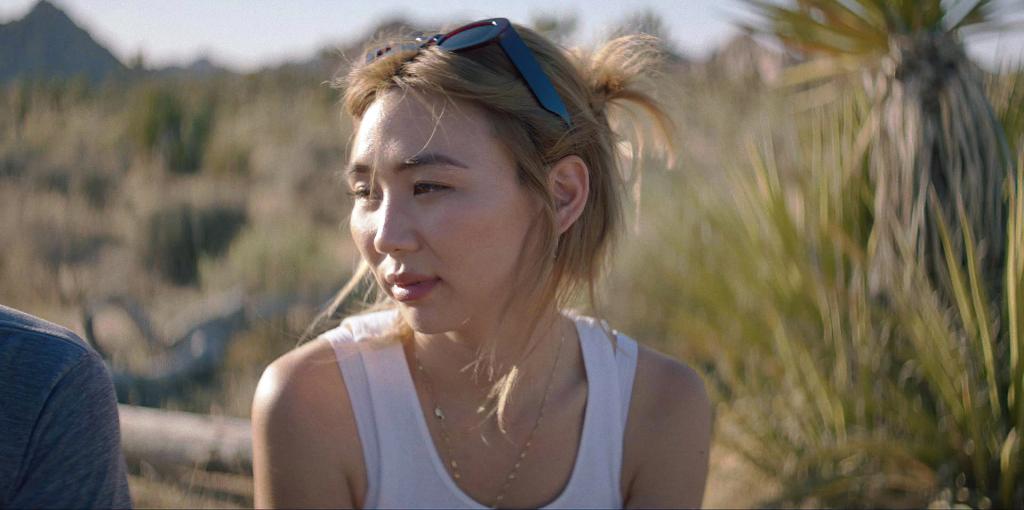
x,y
362,230
488,234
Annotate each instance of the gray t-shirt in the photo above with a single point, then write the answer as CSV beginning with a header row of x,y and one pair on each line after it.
x,y
60,441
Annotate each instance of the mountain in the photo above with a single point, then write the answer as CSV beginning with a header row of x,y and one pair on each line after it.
x,y
201,68
46,43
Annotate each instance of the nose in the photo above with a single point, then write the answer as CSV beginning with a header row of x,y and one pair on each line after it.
x,y
396,232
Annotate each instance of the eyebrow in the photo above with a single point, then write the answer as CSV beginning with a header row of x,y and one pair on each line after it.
x,y
417,160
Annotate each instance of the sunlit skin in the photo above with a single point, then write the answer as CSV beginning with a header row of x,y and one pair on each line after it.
x,y
437,195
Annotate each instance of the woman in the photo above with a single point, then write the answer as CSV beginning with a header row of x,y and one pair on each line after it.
x,y
486,195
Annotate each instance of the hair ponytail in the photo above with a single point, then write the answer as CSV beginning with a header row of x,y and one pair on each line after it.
x,y
616,75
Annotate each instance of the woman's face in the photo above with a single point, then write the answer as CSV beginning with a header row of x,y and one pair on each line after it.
x,y
444,220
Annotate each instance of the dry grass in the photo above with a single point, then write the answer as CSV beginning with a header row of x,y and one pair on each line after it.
x,y
190,489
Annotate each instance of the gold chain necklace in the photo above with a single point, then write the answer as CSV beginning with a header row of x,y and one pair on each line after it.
x,y
439,414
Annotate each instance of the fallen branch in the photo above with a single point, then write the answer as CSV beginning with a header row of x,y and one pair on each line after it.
x,y
196,352
169,439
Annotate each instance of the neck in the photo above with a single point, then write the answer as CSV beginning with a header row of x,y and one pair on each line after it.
x,y
453,354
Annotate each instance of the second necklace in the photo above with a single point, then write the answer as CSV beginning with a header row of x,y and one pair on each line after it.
x,y
440,416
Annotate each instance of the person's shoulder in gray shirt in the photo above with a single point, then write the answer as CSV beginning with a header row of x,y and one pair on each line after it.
x,y
60,441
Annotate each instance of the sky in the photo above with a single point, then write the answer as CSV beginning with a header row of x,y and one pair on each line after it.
x,y
245,35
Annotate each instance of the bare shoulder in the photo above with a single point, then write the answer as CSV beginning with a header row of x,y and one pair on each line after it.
x,y
668,434
306,448
297,373
668,384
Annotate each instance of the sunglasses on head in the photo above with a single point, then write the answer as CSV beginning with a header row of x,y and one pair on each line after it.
x,y
487,31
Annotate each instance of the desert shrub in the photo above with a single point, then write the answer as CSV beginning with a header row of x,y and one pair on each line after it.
x,y
217,226
14,162
287,256
94,184
55,246
175,237
161,117
169,245
97,188
229,159
18,103
167,127
196,136
53,178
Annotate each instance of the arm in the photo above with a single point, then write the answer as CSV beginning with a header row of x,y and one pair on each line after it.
x,y
672,436
304,435
74,454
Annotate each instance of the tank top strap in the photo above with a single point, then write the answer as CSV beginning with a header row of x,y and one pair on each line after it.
x,y
610,371
619,358
355,358
405,471
625,358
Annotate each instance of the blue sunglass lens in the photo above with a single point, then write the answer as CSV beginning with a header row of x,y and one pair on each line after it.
x,y
471,37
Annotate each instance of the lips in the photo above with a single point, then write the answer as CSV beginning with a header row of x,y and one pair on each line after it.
x,y
408,287
413,291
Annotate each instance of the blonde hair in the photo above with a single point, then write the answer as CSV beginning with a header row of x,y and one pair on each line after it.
x,y
590,85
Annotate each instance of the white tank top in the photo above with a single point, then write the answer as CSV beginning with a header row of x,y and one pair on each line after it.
x,y
403,467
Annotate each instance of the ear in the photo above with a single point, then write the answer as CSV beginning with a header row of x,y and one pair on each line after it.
x,y
569,183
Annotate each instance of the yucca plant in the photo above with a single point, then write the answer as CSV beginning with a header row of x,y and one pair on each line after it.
x,y
1006,91
841,398
932,132
854,297
877,361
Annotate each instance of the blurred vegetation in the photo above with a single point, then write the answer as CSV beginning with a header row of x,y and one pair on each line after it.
x,y
281,258
853,294
933,135
1006,92
166,127
175,237
555,27
755,259
839,398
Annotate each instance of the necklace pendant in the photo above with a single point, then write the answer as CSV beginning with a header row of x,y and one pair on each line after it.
x,y
438,412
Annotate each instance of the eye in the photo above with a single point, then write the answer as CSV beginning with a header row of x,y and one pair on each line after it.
x,y
360,193
427,187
